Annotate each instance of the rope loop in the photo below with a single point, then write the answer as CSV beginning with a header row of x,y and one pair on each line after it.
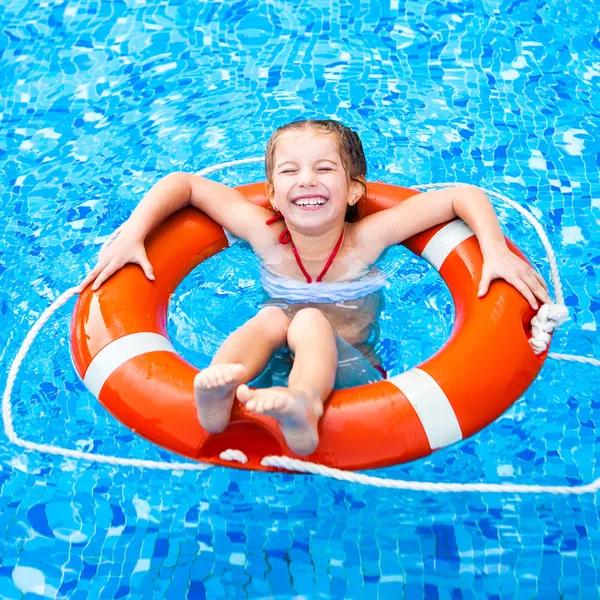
x,y
549,317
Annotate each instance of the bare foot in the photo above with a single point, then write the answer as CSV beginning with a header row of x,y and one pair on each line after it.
x,y
214,389
297,411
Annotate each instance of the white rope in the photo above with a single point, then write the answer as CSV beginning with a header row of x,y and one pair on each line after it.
x,y
66,452
234,456
7,415
548,318
554,315
301,466
587,360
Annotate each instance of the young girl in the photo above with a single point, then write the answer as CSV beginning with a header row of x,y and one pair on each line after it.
x,y
315,180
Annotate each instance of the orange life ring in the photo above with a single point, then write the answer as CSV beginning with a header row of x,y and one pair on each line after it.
x,y
121,350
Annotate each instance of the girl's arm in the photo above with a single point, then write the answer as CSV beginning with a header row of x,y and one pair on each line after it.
x,y
422,211
225,205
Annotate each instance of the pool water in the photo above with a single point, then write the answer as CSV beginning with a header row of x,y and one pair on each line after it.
x,y
100,99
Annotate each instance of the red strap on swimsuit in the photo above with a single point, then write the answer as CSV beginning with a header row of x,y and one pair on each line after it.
x,y
381,370
285,237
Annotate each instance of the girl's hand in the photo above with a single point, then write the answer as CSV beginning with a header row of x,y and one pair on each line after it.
x,y
503,264
121,251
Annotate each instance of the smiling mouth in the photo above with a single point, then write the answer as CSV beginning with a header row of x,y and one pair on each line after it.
x,y
311,201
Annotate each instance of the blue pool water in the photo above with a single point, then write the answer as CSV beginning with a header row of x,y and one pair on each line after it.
x,y
100,99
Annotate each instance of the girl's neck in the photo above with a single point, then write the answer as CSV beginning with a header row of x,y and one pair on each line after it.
x,y
317,247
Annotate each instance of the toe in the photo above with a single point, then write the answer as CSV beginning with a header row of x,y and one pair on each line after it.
x,y
270,402
244,393
237,370
226,375
232,373
280,403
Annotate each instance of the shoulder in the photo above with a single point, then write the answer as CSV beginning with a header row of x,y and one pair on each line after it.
x,y
364,246
265,239
238,210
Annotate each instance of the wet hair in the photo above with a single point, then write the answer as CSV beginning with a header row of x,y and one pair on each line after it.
x,y
350,148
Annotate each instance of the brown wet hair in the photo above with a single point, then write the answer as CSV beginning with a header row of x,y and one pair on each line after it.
x,y
350,149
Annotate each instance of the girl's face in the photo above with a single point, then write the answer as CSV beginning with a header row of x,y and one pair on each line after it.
x,y
310,186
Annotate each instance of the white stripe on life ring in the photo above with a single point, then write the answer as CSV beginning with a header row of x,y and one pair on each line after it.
x,y
112,356
444,241
431,405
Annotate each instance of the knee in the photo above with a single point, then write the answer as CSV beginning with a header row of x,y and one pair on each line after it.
x,y
306,320
273,322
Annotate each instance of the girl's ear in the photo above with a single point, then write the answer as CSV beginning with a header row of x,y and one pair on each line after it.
x,y
270,193
357,189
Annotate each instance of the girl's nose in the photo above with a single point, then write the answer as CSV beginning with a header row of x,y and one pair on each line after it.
x,y
306,177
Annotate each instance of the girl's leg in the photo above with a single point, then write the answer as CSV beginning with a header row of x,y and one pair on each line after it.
x,y
311,339
299,407
242,357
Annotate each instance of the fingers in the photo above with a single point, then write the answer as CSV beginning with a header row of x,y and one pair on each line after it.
x,y
527,281
520,285
539,290
519,274
540,279
528,286
146,265
113,267
536,284
484,284
89,278
148,270
103,270
104,275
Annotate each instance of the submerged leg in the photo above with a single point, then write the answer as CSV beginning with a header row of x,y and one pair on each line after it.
x,y
299,407
243,356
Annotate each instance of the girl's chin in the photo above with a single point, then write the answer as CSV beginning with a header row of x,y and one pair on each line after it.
x,y
310,216
327,210
313,216
315,222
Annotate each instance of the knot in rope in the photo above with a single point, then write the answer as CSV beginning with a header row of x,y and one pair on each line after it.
x,y
548,318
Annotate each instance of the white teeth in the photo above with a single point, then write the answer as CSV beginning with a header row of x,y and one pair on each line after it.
x,y
307,202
